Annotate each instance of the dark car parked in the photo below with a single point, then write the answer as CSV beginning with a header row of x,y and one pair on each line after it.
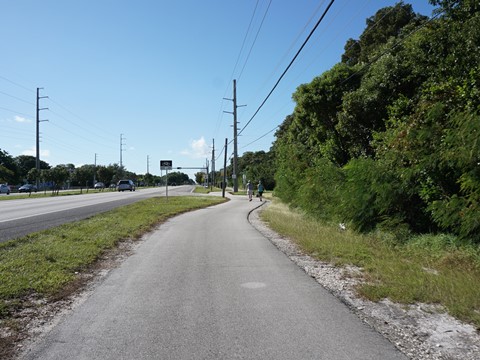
x,y
99,185
27,188
4,189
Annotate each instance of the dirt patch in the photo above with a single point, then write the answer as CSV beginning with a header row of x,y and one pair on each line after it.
x,y
420,331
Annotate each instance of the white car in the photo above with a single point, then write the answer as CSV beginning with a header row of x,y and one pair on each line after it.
x,y
125,185
4,189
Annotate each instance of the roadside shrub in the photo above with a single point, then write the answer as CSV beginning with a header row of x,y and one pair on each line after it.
x,y
319,194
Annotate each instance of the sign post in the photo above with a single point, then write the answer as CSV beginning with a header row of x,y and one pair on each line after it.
x,y
166,165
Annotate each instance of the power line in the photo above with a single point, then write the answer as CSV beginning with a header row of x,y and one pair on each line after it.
x,y
289,65
17,98
16,112
254,40
275,70
243,43
16,84
220,115
261,137
80,127
370,29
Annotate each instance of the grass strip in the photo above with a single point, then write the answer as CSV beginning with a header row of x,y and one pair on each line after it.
x,y
45,262
427,269
49,193
206,190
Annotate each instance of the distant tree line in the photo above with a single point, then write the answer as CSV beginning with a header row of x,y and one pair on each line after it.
x,y
22,169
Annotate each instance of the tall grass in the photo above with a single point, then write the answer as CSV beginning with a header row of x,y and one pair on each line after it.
x,y
429,269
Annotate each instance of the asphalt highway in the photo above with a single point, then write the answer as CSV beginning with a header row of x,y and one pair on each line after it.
x,y
207,285
19,217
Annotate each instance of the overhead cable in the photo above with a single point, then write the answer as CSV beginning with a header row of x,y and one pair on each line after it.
x,y
261,137
254,41
289,65
220,114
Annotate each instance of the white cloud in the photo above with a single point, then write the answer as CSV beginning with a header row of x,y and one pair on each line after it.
x,y
198,149
21,119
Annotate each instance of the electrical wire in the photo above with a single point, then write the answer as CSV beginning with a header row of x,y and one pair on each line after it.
x,y
220,115
282,60
17,112
16,84
289,65
261,137
370,63
254,40
80,127
244,41
17,98
95,125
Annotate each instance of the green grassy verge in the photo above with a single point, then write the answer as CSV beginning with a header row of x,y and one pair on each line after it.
x,y
203,190
46,262
49,193
429,269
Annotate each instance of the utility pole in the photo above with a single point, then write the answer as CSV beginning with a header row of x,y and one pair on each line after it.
x,y
213,165
225,170
38,121
206,173
121,149
95,170
234,173
148,163
235,146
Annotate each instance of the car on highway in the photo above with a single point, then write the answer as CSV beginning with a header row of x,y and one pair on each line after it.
x,y
125,185
4,189
27,188
99,185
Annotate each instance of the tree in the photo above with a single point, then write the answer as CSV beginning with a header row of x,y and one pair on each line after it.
x,y
457,9
25,163
258,166
58,176
351,56
200,177
176,178
398,147
33,175
8,168
106,174
315,120
83,176
387,23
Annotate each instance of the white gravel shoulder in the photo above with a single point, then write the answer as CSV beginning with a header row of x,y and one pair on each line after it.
x,y
420,331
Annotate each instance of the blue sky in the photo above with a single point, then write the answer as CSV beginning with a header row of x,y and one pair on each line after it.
x,y
157,72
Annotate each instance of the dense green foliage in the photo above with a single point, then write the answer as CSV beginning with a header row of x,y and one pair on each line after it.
x,y
257,166
389,137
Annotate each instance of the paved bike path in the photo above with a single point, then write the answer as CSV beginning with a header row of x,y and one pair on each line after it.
x,y
207,285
